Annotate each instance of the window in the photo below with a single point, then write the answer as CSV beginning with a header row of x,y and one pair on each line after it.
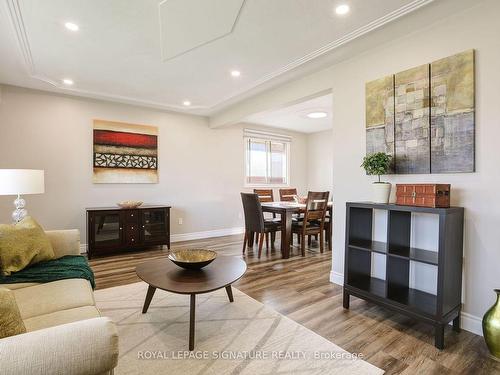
x,y
267,158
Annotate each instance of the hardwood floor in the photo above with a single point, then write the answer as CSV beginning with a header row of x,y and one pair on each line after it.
x,y
300,289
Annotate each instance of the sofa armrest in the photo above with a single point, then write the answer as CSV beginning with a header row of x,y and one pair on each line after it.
x,y
79,348
65,242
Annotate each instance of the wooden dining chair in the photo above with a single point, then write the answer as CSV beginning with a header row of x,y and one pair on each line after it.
x,y
328,229
288,195
265,195
314,219
254,221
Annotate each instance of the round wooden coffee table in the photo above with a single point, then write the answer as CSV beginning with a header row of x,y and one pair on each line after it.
x,y
164,274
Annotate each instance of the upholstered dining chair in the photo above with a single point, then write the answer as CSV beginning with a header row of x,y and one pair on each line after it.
x,y
255,223
265,196
314,219
329,228
288,195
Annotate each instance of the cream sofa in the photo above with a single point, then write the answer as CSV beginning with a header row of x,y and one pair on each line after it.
x,y
66,333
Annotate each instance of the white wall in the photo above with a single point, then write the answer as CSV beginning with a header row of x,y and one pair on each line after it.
x,y
201,169
443,28
320,161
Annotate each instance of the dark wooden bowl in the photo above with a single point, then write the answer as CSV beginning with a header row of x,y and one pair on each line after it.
x,y
192,259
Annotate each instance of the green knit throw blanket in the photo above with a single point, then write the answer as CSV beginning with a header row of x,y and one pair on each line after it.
x,y
67,267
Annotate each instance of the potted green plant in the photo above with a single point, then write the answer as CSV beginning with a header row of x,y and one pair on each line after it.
x,y
378,164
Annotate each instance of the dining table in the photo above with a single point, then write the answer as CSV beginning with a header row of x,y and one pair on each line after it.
x,y
286,210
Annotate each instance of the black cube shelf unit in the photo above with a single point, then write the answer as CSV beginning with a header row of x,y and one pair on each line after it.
x,y
394,292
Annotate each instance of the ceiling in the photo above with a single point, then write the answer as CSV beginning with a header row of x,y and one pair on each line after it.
x,y
164,53
294,117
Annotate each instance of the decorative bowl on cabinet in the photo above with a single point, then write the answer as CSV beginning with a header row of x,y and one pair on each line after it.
x,y
129,204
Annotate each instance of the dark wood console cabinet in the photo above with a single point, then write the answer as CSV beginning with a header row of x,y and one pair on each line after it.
x,y
396,291
111,229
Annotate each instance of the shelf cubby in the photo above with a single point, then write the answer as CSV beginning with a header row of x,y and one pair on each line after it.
x,y
371,285
368,245
413,253
397,291
419,301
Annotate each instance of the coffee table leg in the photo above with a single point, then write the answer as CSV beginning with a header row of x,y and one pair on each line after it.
x,y
230,293
192,307
149,297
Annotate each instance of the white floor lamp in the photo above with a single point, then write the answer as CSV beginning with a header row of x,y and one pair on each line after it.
x,y
18,182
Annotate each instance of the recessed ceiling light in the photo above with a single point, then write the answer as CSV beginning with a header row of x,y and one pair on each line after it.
x,y
187,103
235,73
71,26
317,115
68,81
342,9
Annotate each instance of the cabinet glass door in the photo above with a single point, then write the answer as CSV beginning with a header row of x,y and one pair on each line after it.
x,y
106,229
154,225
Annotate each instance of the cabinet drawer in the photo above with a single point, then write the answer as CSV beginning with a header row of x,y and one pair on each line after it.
x,y
131,217
132,229
132,234
132,240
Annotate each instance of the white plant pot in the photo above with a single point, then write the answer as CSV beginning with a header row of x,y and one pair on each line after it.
x,y
381,192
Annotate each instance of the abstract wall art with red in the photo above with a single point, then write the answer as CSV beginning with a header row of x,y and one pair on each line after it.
x,y
125,153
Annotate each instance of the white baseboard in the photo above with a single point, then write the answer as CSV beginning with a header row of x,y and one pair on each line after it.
x,y
193,236
468,321
206,234
471,323
336,278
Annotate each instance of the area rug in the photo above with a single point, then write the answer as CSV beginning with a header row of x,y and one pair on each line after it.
x,y
244,337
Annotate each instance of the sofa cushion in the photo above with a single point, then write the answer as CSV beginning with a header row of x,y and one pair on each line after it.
x,y
22,244
47,298
10,319
17,285
85,347
64,242
61,317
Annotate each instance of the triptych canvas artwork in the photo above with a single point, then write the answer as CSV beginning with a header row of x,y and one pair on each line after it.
x,y
424,117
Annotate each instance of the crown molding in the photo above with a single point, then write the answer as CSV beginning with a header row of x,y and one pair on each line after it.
x,y
372,26
17,22
16,18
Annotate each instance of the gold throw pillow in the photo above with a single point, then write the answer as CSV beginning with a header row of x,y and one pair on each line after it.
x,y
22,244
11,322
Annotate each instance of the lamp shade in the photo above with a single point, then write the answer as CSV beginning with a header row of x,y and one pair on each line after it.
x,y
21,181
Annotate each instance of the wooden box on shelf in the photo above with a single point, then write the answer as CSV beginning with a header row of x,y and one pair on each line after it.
x,y
423,195
113,229
395,290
